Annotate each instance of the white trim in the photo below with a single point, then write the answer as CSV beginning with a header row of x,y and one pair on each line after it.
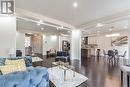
x,y
47,24
24,13
107,20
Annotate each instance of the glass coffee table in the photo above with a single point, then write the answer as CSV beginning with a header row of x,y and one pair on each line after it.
x,y
64,67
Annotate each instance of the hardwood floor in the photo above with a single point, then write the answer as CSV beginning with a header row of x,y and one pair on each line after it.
x,y
99,71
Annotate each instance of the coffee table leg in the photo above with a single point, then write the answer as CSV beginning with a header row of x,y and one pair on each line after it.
x,y
121,78
74,72
64,75
127,80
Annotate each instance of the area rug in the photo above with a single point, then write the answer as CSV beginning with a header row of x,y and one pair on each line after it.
x,y
36,59
56,76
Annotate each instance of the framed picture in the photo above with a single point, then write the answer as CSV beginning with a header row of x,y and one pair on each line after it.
x,y
65,45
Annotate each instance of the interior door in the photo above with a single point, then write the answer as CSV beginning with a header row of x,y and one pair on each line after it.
x,y
37,43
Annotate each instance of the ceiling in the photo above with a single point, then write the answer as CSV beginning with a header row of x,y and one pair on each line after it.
x,y
88,11
28,26
63,10
117,26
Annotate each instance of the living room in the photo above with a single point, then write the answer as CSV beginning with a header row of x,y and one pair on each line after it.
x,y
62,43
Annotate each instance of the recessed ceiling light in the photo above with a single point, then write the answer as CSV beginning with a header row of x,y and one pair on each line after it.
x,y
99,25
75,4
57,28
40,22
42,28
62,27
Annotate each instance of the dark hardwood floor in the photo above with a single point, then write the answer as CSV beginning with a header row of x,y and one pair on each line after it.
x,y
100,73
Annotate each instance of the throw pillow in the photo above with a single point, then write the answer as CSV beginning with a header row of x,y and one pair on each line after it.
x,y
8,69
20,63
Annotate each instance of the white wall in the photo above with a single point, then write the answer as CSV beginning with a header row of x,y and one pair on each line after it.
x,y
7,35
20,42
105,43
50,42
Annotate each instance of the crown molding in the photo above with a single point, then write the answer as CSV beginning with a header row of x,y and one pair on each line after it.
x,y
125,15
104,33
24,13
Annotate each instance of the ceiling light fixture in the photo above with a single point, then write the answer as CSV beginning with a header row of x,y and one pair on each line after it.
x,y
40,22
99,25
42,28
75,4
57,28
62,27
113,35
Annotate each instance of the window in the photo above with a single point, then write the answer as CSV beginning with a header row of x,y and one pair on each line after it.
x,y
27,41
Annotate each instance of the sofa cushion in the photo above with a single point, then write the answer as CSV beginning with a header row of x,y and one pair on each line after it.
x,y
27,59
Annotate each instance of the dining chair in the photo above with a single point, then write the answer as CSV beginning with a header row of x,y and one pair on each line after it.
x,y
116,54
111,56
123,57
104,53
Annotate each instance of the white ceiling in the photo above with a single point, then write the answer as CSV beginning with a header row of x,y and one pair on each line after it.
x,y
63,10
107,28
28,26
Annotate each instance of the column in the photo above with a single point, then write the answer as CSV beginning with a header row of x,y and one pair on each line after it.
x,y
7,36
76,45
129,41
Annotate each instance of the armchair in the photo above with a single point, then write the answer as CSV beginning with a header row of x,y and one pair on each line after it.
x,y
62,56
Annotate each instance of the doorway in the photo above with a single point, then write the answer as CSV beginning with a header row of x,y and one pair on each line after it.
x,y
33,44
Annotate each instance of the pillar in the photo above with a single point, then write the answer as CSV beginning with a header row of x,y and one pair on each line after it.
x,y
76,45
129,41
